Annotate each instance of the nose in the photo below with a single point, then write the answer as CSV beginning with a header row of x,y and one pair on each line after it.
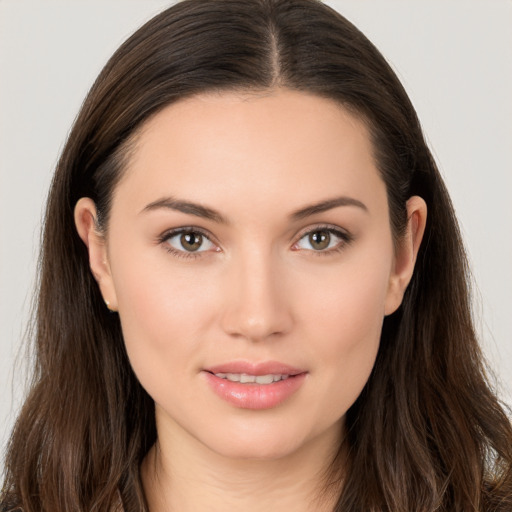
x,y
258,304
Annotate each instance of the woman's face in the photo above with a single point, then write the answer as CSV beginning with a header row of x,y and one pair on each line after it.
x,y
249,240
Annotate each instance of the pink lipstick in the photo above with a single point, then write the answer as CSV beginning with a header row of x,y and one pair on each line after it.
x,y
254,385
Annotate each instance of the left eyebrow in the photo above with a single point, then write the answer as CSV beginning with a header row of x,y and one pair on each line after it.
x,y
186,207
326,205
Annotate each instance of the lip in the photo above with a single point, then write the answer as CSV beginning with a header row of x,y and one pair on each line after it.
x,y
255,396
263,368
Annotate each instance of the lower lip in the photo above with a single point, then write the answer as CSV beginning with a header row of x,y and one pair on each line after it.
x,y
255,396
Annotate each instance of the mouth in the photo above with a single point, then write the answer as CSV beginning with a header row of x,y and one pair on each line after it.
x,y
247,370
255,386
245,378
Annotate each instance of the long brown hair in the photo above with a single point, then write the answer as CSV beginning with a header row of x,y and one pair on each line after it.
x,y
426,434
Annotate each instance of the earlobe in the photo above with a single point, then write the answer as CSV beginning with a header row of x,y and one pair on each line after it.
x,y
86,226
406,253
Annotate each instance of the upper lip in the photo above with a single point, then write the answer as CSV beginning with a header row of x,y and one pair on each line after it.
x,y
249,368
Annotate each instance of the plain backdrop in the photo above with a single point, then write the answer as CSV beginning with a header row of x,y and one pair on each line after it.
x,y
454,58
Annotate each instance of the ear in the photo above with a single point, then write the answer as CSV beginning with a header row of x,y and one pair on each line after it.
x,y
406,253
86,225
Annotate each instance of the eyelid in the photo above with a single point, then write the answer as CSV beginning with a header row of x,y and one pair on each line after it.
x,y
327,227
342,233
185,229
170,233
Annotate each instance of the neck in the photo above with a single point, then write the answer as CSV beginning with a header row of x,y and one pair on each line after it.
x,y
187,477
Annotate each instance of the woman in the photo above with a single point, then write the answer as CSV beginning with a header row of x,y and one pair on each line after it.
x,y
253,287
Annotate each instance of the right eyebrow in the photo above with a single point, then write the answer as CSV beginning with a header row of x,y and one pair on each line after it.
x,y
188,207
326,205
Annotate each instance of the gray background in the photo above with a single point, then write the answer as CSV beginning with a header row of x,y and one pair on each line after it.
x,y
454,58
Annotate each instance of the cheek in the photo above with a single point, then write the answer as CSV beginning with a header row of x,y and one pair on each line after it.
x,y
349,301
343,319
349,320
164,312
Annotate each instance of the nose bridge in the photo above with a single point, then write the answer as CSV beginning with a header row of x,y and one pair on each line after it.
x,y
257,305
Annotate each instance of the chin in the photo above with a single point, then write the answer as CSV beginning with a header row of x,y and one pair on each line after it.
x,y
256,450
269,441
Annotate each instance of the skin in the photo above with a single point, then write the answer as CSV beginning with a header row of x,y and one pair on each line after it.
x,y
258,291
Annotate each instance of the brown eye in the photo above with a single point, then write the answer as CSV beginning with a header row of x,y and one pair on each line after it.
x,y
323,240
188,241
319,240
191,241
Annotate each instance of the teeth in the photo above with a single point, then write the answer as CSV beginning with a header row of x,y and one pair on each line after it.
x,y
244,378
264,379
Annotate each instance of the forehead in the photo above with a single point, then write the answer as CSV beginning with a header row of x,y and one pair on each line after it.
x,y
252,146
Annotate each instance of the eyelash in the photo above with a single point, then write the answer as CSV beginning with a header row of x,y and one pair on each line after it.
x,y
165,237
345,237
